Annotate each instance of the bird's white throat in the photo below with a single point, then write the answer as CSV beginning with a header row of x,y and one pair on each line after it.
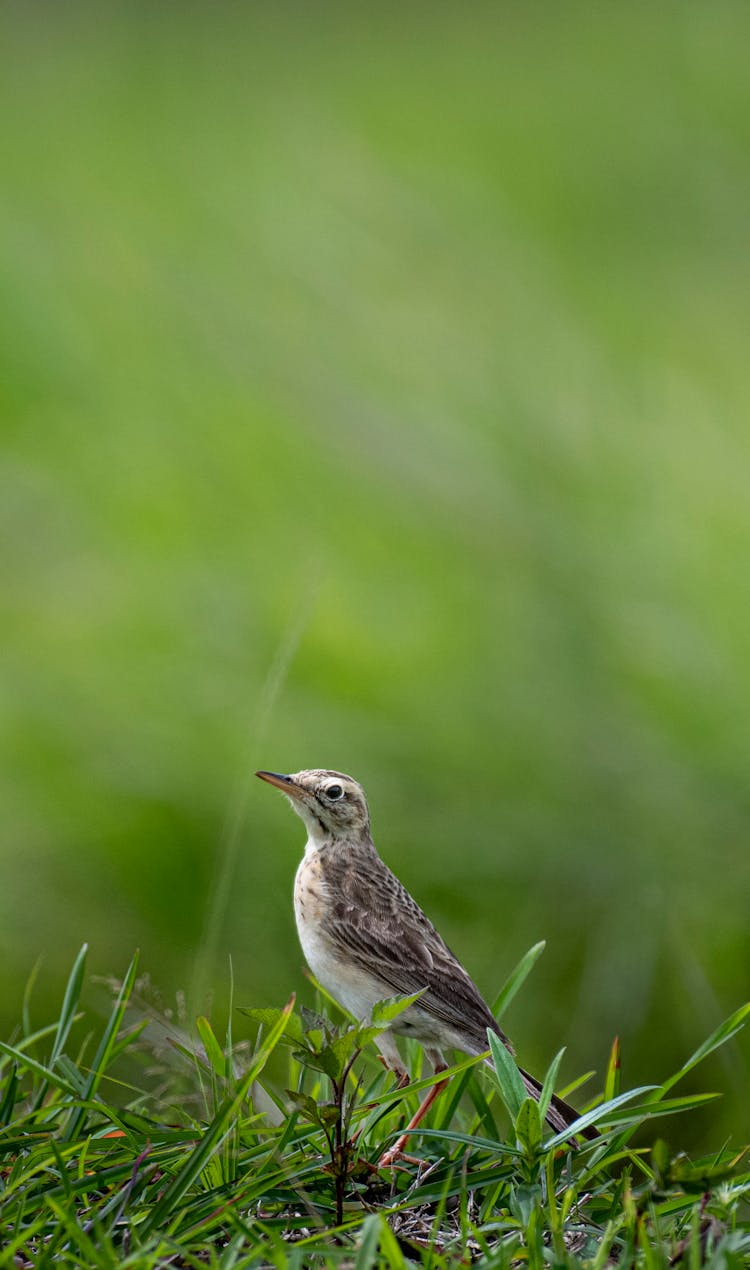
x,y
314,841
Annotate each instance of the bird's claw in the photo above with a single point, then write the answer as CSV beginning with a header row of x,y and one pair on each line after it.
x,y
389,1159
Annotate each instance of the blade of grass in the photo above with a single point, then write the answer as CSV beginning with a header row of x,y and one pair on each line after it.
x,y
573,1085
452,1098
211,1139
550,1080
229,1044
723,1033
666,1106
9,1097
369,1240
105,1048
612,1078
31,1064
211,1045
591,1117
26,1004
70,1002
516,979
23,1044
78,1238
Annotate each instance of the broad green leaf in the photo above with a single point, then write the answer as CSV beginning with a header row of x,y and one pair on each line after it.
x,y
323,1060
366,1035
512,1089
385,1011
699,1177
329,1113
328,1062
345,1045
524,1201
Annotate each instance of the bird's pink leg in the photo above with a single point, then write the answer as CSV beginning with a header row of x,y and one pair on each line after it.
x,y
389,1157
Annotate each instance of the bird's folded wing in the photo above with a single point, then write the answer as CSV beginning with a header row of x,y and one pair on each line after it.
x,y
390,938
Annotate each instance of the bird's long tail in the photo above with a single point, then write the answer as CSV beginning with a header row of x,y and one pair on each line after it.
x,y
560,1114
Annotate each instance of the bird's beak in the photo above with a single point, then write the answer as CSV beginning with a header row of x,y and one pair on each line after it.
x,y
284,783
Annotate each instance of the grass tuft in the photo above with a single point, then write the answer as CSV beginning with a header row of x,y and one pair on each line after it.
x,y
94,1174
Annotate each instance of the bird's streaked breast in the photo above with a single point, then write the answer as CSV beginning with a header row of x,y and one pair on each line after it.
x,y
356,990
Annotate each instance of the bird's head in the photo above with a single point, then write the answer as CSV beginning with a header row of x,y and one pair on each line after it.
x,y
331,804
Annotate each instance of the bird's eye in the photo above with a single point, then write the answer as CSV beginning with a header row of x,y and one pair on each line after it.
x,y
334,792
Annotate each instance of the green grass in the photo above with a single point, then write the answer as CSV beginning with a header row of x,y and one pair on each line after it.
x,y
374,395
95,1172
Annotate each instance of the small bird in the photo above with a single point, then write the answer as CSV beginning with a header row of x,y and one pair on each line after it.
x,y
365,938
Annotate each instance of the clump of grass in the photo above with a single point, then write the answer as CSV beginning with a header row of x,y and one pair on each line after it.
x,y
91,1176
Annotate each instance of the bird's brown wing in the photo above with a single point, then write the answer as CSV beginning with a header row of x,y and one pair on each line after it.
x,y
387,935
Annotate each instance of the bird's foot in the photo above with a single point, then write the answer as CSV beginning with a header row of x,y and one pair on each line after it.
x,y
391,1158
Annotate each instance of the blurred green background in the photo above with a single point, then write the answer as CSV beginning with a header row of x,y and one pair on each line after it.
x,y
375,395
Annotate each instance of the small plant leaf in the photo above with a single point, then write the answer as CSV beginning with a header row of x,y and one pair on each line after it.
x,y
323,1060
313,1022
328,1113
529,1127
305,1104
268,1018
344,1046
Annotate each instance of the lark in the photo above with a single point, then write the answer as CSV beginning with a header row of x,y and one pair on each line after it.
x,y
365,938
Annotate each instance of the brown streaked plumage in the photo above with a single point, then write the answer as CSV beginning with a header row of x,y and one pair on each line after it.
x,y
366,938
